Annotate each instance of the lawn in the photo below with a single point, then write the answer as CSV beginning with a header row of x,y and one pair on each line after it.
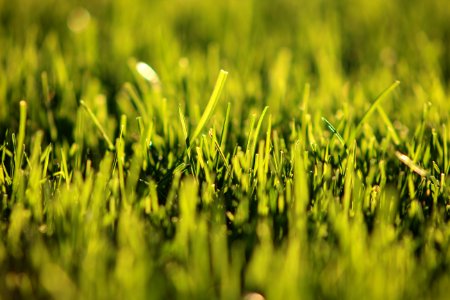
x,y
195,149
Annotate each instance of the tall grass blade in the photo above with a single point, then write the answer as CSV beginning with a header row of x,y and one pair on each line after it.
x,y
99,126
220,83
20,137
256,134
375,104
184,126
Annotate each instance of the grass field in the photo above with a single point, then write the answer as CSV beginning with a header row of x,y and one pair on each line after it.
x,y
194,149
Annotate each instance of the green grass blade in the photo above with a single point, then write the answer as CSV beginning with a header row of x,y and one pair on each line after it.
x,y
132,93
19,153
224,133
349,178
47,98
64,168
21,136
389,125
184,126
334,131
120,164
376,103
99,126
250,133
256,133
268,145
211,104
216,144
444,142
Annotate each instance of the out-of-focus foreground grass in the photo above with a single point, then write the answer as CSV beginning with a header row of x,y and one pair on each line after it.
x,y
130,170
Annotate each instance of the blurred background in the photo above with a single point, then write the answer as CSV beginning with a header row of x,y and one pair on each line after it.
x,y
348,51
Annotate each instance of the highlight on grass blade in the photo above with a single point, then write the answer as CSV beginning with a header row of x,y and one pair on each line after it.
x,y
410,163
216,144
334,131
148,73
375,105
211,104
97,123
256,133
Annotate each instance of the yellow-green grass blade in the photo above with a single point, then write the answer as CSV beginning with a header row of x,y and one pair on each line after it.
x,y
184,126
256,133
374,106
21,136
220,83
334,131
97,123
389,125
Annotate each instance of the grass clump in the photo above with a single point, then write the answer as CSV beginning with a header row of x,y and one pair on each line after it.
x,y
120,179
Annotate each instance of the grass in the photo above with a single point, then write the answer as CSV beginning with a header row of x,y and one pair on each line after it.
x,y
133,166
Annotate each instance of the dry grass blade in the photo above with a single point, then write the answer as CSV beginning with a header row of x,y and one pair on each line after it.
x,y
410,163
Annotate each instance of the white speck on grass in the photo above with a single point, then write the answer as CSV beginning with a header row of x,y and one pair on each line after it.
x,y
148,73
254,296
78,19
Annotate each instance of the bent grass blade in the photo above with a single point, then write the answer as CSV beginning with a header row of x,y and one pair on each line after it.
x,y
99,126
220,83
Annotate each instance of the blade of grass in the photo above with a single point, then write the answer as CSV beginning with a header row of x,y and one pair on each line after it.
x,y
211,104
389,125
21,136
184,126
2,181
64,168
19,149
256,133
334,131
132,93
120,163
349,179
375,105
444,142
99,126
305,102
300,191
416,169
250,133
224,134
47,98
268,145
410,163
44,159
216,144
203,165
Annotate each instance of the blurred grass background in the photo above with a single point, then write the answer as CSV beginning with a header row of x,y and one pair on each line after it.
x,y
269,46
